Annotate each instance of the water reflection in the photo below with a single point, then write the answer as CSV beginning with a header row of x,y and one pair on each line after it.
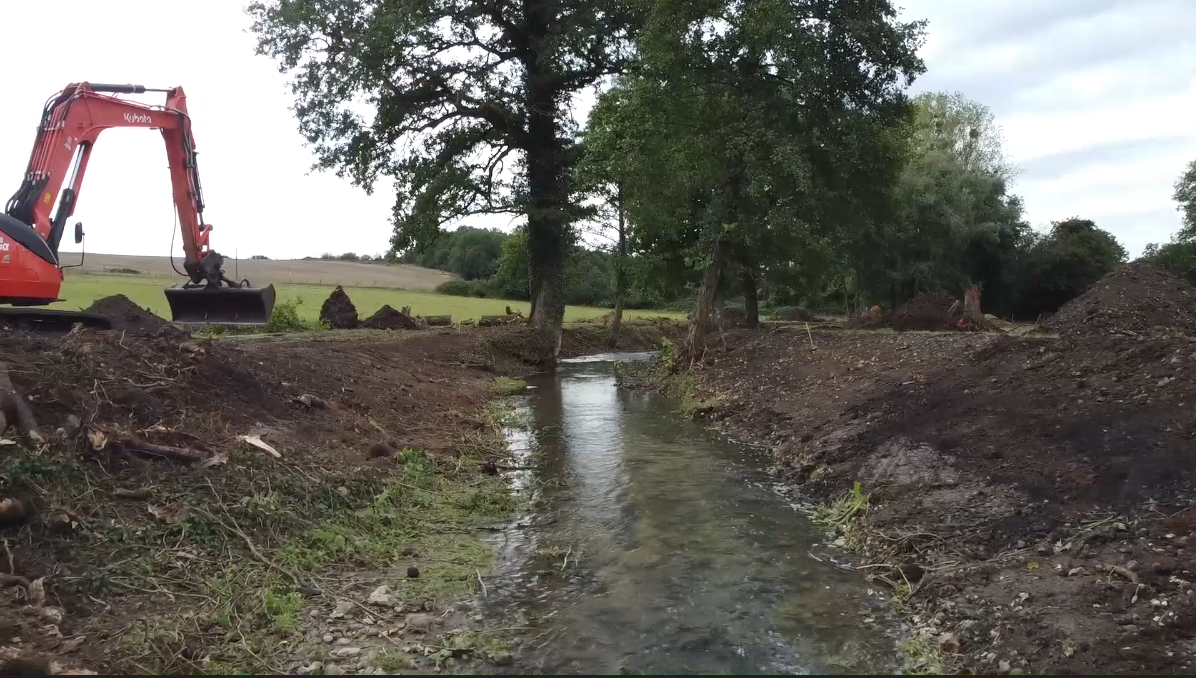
x,y
655,546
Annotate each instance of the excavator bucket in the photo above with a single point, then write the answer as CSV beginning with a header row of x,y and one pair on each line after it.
x,y
220,305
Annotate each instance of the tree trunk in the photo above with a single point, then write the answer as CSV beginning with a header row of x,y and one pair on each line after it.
x,y
548,195
751,302
708,293
616,323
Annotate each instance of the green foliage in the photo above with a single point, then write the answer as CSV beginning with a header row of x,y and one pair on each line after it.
x,y
285,317
470,288
668,355
842,513
1061,265
1185,196
470,253
443,97
1177,257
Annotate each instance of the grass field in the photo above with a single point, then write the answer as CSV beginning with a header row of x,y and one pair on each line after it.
x,y
79,291
276,271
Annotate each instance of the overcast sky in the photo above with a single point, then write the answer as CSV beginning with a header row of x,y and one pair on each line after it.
x,y
1095,98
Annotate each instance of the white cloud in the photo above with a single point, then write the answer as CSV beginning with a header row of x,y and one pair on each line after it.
x,y
1062,76
1093,96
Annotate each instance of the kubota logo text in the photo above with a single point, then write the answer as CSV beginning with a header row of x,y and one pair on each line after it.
x,y
138,118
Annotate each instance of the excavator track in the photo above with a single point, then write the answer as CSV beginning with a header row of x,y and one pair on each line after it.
x,y
46,320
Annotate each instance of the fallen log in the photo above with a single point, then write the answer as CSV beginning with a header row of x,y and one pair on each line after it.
x,y
146,448
439,320
101,439
491,321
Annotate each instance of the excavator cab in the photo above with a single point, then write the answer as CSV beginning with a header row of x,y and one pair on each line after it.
x,y
220,305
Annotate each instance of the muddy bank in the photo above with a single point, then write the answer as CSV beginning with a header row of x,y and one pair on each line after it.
x,y
303,503
1029,500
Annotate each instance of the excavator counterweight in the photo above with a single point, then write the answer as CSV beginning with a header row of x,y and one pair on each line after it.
x,y
35,218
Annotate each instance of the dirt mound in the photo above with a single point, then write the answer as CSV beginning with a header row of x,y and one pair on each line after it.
x,y
927,311
338,310
387,318
130,318
1136,299
1015,469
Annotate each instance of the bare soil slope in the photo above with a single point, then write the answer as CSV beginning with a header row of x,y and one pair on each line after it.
x,y
144,529
1044,487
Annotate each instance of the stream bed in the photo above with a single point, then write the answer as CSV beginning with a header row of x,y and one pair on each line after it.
x,y
652,545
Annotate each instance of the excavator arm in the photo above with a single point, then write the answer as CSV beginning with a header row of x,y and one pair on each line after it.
x,y
37,213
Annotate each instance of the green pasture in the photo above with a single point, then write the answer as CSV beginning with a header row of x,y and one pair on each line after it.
x,y
80,290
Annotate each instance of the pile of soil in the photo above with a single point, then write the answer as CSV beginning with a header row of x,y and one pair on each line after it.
x,y
386,318
1136,299
338,310
133,320
928,312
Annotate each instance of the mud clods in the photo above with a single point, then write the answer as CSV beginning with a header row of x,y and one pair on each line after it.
x,y
338,311
1137,299
387,318
130,318
929,311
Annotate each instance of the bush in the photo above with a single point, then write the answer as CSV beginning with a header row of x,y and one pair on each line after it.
x,y
468,288
285,317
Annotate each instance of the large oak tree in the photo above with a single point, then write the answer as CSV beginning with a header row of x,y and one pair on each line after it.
x,y
447,97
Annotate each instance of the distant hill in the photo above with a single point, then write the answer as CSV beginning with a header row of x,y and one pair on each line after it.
x,y
262,271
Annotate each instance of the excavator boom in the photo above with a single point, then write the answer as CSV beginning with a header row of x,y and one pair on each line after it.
x,y
34,219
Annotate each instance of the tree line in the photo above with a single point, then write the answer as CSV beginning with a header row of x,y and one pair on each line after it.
x,y
763,150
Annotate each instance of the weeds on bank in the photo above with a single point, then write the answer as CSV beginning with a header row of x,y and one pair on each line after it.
x,y
842,514
923,659
223,563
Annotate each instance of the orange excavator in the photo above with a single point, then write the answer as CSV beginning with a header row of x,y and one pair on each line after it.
x,y
32,226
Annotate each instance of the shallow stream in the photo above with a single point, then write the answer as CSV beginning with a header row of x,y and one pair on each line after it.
x,y
655,546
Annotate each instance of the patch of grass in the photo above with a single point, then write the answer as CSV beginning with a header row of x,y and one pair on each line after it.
x,y
509,386
842,514
80,290
229,559
923,659
395,661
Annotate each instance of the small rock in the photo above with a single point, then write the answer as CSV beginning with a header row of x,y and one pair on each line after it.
x,y
312,668
1132,565
502,658
413,572
342,641
342,608
840,542
1003,667
342,652
313,613
333,670
382,596
419,622
1075,572
328,638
